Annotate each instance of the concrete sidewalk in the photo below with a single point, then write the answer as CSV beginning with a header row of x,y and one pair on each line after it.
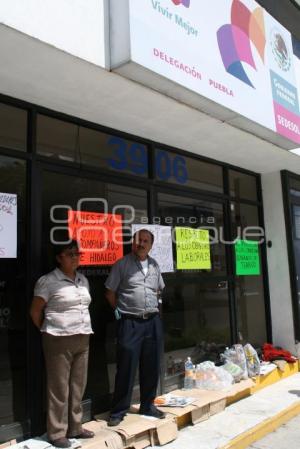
x,y
237,427
287,435
245,421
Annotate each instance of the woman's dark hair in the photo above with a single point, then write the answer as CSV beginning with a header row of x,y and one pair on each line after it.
x,y
58,248
61,247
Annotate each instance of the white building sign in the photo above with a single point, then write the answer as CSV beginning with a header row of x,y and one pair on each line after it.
x,y
231,52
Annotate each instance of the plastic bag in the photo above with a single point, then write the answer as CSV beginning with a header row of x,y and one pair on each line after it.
x,y
235,370
236,355
211,377
253,363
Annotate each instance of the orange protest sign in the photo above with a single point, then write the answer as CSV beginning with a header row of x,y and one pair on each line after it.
x,y
99,236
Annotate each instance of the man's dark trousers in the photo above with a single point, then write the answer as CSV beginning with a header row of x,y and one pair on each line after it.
x,y
139,344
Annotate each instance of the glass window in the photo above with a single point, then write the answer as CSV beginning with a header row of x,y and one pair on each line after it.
x,y
57,139
13,310
127,197
13,127
98,149
183,170
182,211
69,142
249,289
242,185
294,186
245,216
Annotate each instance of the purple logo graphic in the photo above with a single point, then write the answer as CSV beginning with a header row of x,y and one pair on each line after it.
x,y
185,3
235,40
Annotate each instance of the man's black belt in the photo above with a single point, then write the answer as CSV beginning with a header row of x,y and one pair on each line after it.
x,y
144,316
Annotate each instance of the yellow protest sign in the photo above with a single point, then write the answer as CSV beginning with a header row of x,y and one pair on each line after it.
x,y
193,249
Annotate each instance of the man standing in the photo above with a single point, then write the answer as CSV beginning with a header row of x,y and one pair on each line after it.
x,y
133,288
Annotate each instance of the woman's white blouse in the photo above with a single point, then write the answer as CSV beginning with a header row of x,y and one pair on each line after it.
x,y
67,303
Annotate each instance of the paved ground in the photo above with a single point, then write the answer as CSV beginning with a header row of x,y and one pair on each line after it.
x,y
239,418
236,422
286,436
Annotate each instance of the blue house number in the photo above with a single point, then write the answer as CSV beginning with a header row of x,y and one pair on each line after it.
x,y
168,166
133,157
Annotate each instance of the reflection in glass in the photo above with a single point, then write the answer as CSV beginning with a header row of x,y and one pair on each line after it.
x,y
98,149
73,143
13,127
242,185
294,199
251,310
195,213
187,171
57,139
243,216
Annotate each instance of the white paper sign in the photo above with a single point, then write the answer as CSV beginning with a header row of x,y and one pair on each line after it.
x,y
162,250
8,226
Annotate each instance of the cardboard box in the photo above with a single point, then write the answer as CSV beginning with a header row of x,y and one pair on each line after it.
x,y
135,431
192,413
104,439
96,425
138,432
164,432
239,391
217,406
206,403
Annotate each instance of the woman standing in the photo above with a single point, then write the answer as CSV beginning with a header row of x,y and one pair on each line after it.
x,y
60,310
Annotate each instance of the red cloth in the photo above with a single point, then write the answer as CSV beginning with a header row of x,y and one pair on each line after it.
x,y
271,353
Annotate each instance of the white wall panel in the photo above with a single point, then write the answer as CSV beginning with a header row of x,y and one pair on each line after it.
x,y
75,26
279,276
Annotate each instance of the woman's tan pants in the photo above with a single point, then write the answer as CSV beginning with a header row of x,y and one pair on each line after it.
x,y
66,360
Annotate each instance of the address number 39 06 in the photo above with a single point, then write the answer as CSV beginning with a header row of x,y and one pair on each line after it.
x,y
133,157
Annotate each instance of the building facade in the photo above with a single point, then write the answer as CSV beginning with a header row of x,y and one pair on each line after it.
x,y
136,108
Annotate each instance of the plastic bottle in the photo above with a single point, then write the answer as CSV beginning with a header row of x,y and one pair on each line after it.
x,y
188,374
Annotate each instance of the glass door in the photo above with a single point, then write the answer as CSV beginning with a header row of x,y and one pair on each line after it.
x,y
13,301
62,192
196,307
294,236
249,286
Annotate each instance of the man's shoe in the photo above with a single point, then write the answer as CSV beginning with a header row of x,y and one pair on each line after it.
x,y
114,421
85,433
61,442
152,411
